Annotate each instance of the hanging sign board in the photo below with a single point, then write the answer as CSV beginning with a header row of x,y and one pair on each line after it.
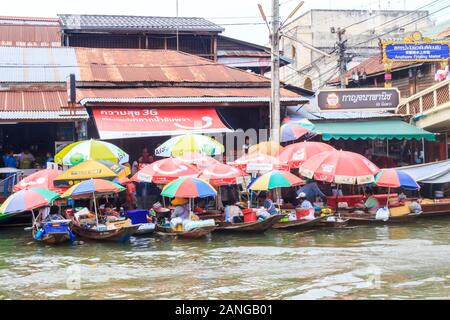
x,y
415,48
358,99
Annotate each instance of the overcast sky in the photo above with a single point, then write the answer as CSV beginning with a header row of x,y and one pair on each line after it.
x,y
224,12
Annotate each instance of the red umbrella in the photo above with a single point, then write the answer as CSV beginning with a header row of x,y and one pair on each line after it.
x,y
295,154
222,174
198,159
258,162
164,171
340,167
40,179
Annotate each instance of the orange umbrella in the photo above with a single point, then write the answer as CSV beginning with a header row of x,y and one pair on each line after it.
x,y
268,147
295,154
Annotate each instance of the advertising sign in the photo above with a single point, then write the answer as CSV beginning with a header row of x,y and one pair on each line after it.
x,y
355,99
417,51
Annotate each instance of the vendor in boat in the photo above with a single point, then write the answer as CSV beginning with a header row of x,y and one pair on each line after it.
x,y
267,203
371,204
181,208
109,213
311,190
305,204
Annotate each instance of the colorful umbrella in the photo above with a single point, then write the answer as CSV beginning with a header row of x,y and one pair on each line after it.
x,y
87,188
295,154
28,199
40,179
80,151
276,179
258,163
292,131
391,178
188,143
222,174
198,159
91,169
164,171
188,187
305,123
340,167
267,147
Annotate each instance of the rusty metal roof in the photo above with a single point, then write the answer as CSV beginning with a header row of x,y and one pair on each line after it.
x,y
37,102
131,65
29,32
136,23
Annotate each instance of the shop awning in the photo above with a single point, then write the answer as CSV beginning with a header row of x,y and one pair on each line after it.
x,y
435,172
381,129
120,123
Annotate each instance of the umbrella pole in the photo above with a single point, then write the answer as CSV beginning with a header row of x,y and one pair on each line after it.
x,y
95,208
387,198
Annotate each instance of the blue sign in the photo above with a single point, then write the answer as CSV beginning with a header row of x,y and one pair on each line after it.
x,y
414,52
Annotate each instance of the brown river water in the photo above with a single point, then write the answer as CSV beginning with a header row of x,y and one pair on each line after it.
x,y
410,261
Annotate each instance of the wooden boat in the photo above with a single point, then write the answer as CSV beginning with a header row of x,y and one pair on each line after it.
x,y
339,223
435,209
120,234
298,224
53,232
192,234
145,229
250,227
368,219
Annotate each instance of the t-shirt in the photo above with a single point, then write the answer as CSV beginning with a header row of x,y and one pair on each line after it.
x,y
181,212
270,206
372,204
231,212
306,204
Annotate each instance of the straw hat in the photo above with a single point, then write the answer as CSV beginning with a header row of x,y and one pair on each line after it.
x,y
179,201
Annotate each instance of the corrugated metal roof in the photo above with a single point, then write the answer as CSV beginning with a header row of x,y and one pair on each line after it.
x,y
131,65
63,115
37,64
136,23
373,65
29,32
169,92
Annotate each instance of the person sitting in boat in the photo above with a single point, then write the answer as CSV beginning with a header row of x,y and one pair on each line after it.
x,y
109,213
233,213
180,213
305,204
371,204
267,203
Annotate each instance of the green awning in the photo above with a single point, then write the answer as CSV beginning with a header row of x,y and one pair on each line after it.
x,y
380,129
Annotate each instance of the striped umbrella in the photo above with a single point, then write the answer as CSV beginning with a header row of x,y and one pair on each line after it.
x,y
391,178
188,143
91,187
80,151
276,179
188,187
292,131
28,199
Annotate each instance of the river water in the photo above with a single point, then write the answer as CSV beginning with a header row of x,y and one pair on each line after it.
x,y
400,262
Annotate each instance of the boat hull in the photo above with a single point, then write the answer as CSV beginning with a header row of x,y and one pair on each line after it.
x,y
53,238
358,220
192,234
298,225
435,209
249,227
117,235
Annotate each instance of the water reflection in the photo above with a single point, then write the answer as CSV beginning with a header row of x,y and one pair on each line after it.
x,y
405,261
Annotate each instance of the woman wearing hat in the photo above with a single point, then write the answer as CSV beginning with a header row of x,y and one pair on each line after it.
x,y
305,204
181,208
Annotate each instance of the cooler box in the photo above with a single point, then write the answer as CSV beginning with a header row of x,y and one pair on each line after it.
x,y
301,213
249,215
138,216
399,211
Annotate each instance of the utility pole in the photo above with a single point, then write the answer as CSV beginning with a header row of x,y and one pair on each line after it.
x,y
178,39
275,82
342,55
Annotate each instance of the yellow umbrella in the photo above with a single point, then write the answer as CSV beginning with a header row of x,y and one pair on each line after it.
x,y
91,169
269,148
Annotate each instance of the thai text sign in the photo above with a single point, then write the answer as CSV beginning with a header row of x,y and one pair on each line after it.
x,y
119,123
353,99
417,51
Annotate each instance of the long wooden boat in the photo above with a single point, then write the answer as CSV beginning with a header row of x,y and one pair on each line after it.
x,y
122,234
298,224
435,209
250,227
339,223
192,234
367,219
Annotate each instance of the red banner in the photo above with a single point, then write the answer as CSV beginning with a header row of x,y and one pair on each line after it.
x,y
114,123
